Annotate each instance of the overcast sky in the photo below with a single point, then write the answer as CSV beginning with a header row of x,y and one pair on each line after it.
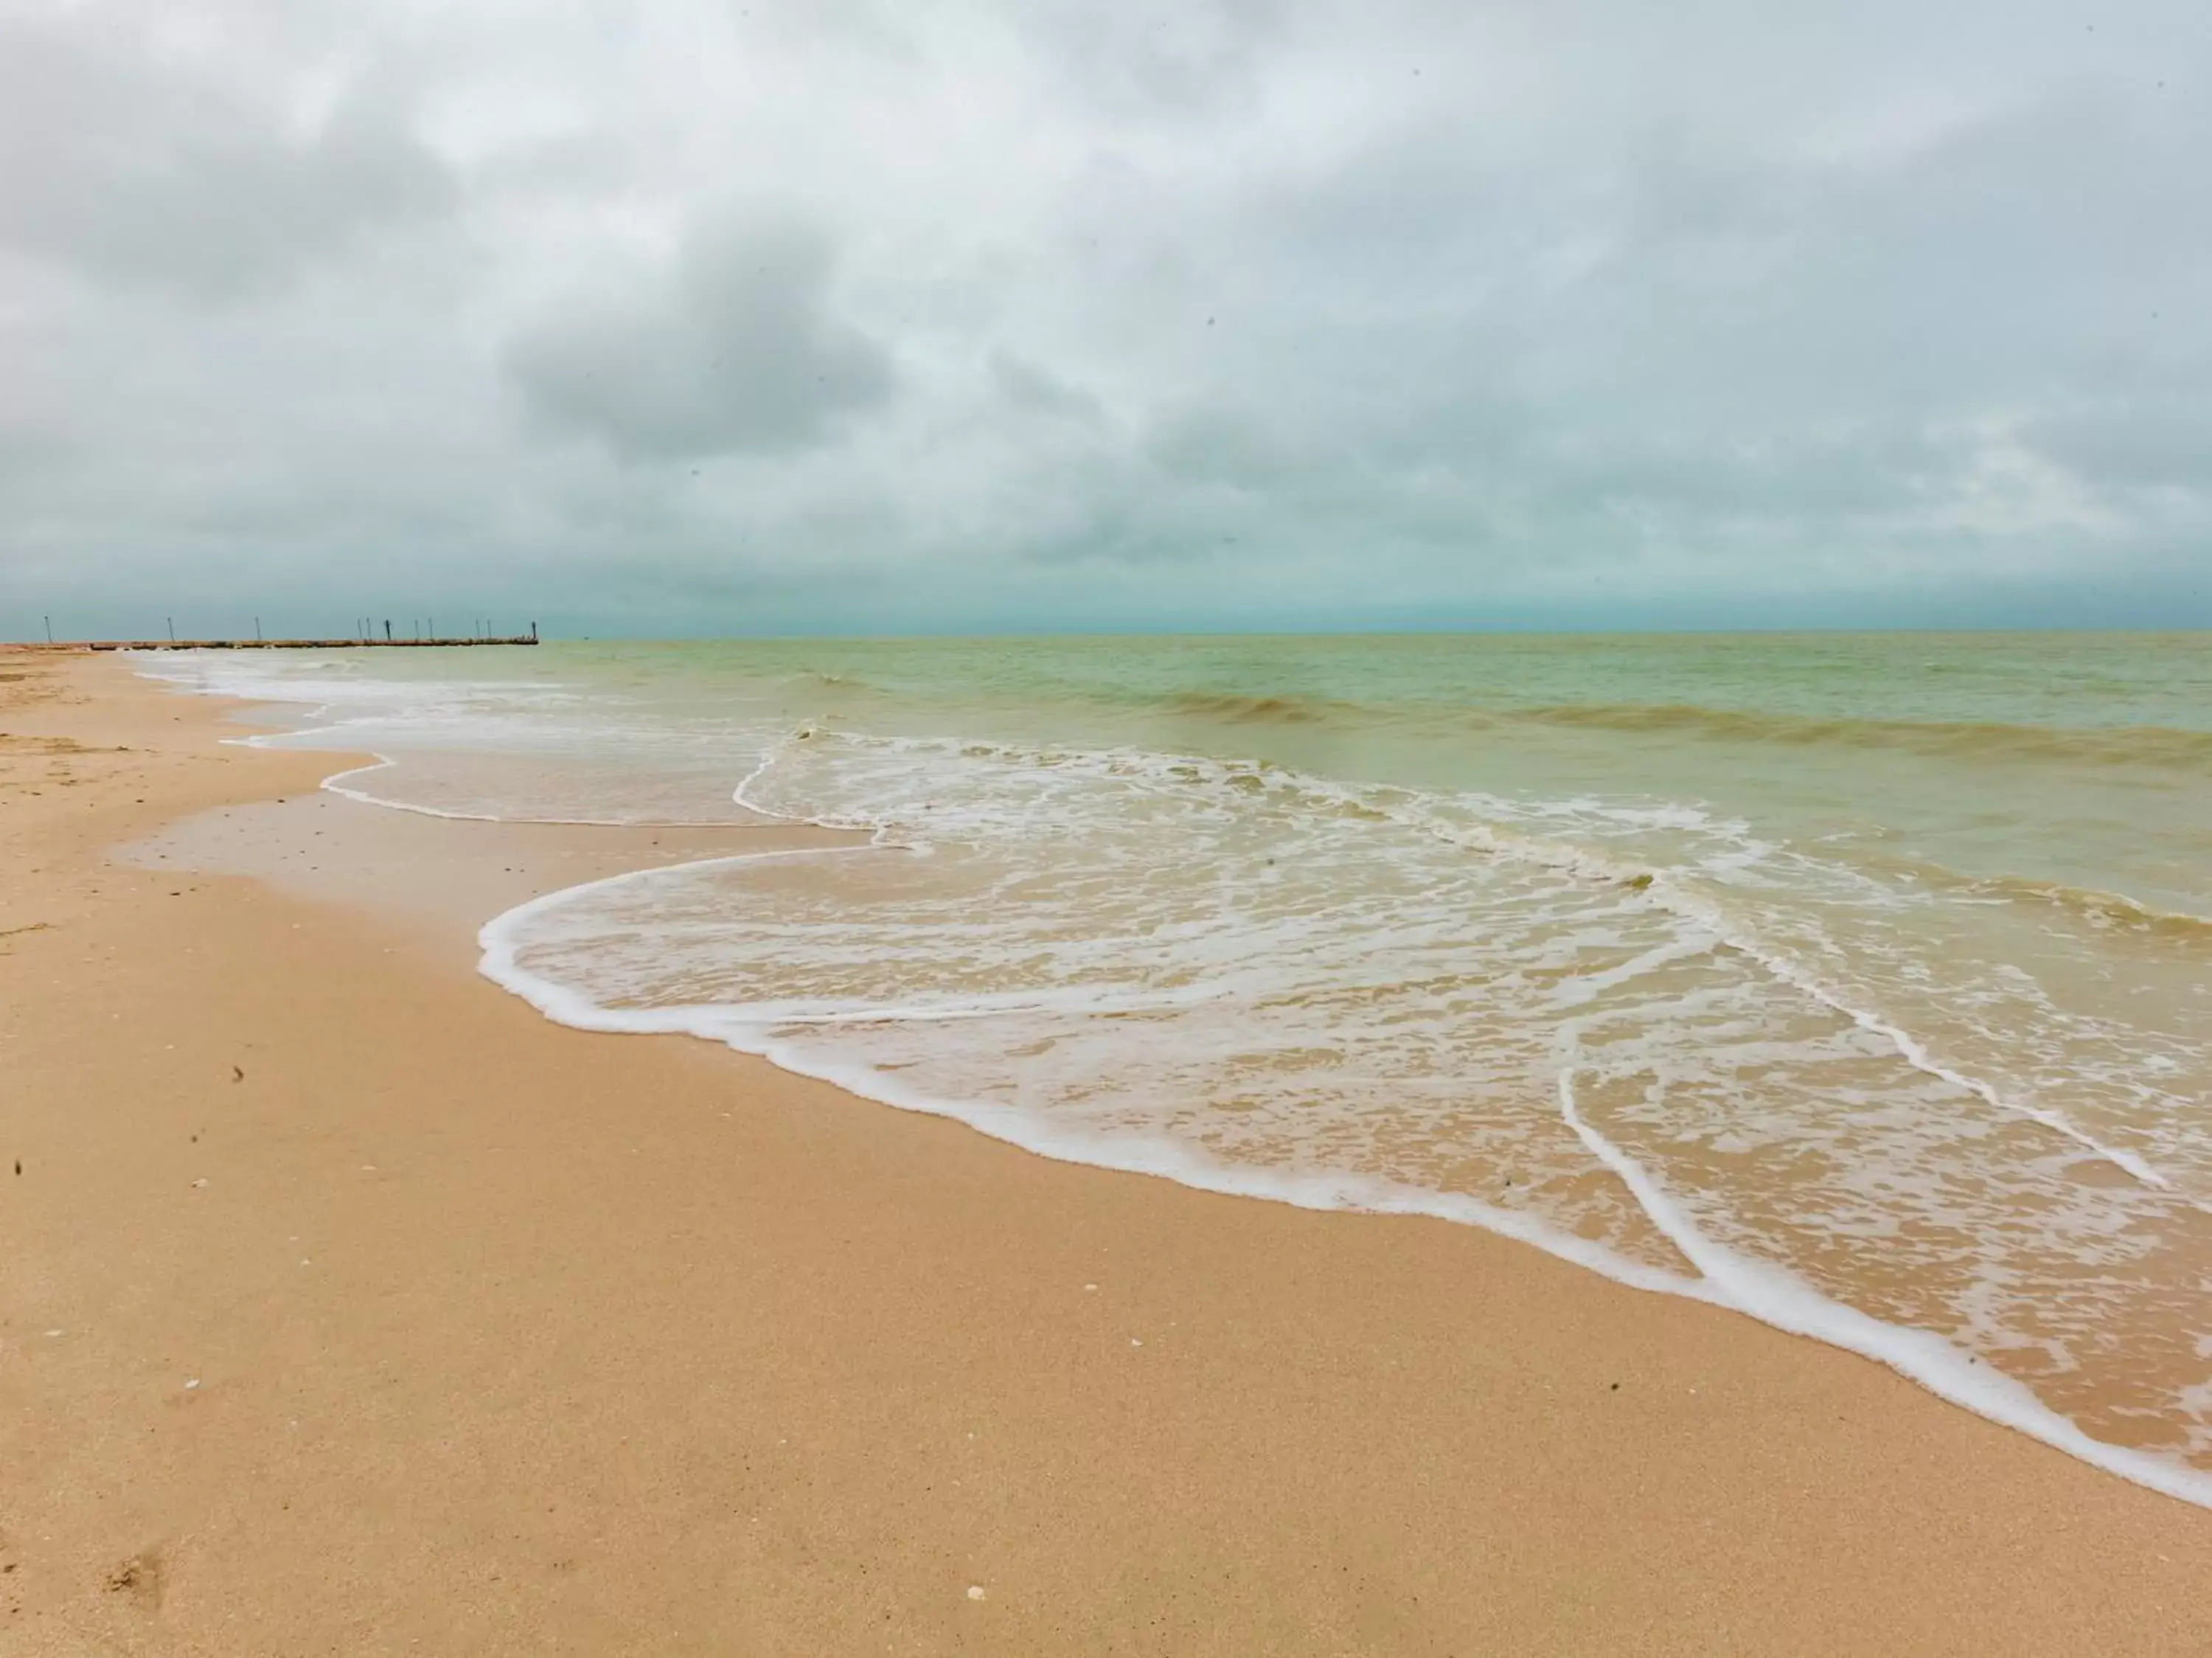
x,y
695,317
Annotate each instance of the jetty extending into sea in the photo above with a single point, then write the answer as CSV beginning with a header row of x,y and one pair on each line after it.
x,y
365,641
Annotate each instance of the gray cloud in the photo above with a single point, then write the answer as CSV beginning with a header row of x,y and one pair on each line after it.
x,y
736,350
1159,58
1270,311
144,174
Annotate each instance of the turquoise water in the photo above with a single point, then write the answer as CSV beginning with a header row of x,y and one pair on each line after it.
x,y
1859,982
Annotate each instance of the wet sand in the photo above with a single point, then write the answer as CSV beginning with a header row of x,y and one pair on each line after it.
x,y
347,1305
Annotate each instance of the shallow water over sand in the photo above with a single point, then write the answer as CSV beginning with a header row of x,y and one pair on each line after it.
x,y
1858,981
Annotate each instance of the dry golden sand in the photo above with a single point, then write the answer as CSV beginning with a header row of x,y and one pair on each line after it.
x,y
346,1305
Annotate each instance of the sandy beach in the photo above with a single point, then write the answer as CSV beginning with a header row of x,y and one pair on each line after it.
x,y
347,1305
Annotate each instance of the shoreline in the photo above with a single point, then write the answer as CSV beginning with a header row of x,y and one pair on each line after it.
x,y
575,1300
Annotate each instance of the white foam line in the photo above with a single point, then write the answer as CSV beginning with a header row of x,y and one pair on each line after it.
x,y
335,784
1130,1154
1585,987
1073,999
1905,1043
879,833
271,741
738,795
1664,892
1778,1298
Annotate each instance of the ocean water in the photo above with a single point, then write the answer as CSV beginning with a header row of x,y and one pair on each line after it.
x,y
1859,982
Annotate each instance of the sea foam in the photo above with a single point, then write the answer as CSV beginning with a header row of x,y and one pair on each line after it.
x,y
1855,1098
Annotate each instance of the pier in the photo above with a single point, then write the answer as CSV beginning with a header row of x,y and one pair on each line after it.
x,y
365,641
